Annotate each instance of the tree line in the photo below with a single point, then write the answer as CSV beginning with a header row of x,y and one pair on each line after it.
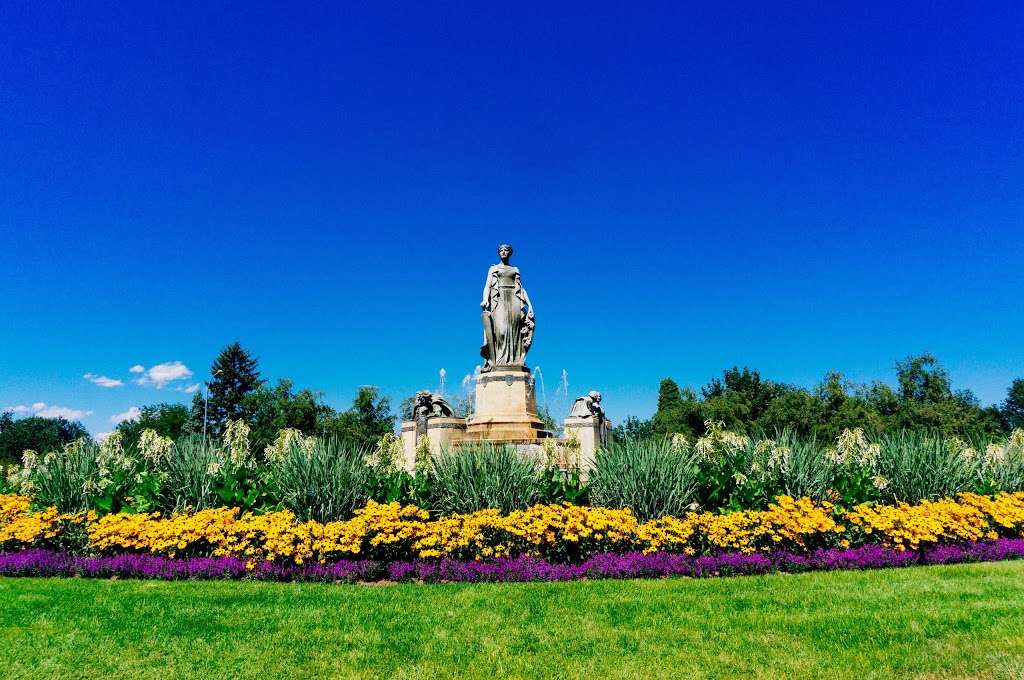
x,y
923,399
745,402
235,391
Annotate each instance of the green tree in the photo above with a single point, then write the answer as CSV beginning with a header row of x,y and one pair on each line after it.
x,y
272,409
739,399
795,409
233,375
550,424
632,429
1013,406
923,380
35,433
679,411
367,421
169,420
926,401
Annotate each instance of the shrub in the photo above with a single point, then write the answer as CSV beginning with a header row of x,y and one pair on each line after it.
x,y
192,471
803,470
1001,464
480,476
65,479
654,477
924,465
323,479
84,475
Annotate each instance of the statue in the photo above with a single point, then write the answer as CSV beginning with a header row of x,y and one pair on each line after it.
x,y
507,315
429,405
588,406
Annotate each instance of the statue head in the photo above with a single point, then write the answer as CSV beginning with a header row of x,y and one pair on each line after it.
x,y
595,395
423,398
504,252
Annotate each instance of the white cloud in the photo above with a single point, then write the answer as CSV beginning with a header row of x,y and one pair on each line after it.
x,y
48,411
131,414
102,380
100,436
189,389
137,368
164,373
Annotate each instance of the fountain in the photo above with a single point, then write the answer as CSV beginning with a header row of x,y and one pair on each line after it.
x,y
505,388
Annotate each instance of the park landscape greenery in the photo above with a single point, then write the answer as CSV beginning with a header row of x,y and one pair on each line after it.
x,y
282,459
278,486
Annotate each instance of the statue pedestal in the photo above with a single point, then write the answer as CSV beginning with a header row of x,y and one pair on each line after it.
x,y
506,408
591,434
441,433
409,446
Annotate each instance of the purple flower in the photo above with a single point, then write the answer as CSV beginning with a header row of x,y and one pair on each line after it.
x,y
506,569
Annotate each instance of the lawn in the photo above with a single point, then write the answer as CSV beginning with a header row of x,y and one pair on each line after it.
x,y
951,621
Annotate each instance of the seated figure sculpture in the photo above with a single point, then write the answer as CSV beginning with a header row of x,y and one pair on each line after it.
x,y
588,406
426,405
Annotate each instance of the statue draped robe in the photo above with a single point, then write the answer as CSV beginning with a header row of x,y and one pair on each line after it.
x,y
507,317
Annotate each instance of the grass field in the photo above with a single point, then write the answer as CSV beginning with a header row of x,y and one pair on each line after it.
x,y
931,622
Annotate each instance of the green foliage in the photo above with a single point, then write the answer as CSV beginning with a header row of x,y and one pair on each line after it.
x,y
550,424
368,420
63,478
1002,465
193,474
1013,408
323,479
233,375
35,434
742,473
924,465
475,477
563,486
167,420
804,469
678,411
633,428
653,477
746,403
270,410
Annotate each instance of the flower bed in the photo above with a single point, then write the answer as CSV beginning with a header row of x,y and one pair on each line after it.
x,y
558,534
503,569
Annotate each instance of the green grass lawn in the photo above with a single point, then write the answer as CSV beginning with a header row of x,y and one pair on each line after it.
x,y
957,621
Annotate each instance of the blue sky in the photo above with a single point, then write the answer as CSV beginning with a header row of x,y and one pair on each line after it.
x,y
687,188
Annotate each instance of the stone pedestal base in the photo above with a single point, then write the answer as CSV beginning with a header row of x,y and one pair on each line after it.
x,y
441,433
409,446
506,408
591,435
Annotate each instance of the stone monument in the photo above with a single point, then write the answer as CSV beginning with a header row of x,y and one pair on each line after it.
x,y
506,406
433,418
588,425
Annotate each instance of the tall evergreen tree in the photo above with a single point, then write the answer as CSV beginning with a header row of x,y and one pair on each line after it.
x,y
233,375
669,396
678,410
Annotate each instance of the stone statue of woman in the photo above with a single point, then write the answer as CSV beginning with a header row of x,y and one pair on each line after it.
x,y
507,315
